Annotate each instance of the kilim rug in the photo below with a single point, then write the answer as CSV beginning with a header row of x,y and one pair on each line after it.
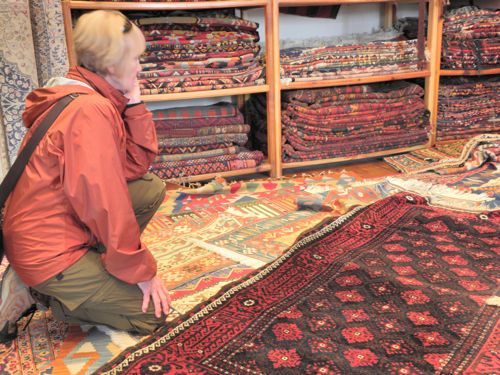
x,y
470,182
476,190
221,232
398,287
203,239
414,161
474,152
221,193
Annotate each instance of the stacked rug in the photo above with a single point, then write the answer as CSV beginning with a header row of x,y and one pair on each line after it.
x,y
471,38
468,106
192,53
360,55
202,139
351,120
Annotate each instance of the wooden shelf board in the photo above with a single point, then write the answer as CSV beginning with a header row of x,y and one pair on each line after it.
x,y
466,72
355,157
205,94
264,167
354,80
333,2
166,5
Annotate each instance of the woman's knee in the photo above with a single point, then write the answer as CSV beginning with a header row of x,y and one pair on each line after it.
x,y
146,193
147,324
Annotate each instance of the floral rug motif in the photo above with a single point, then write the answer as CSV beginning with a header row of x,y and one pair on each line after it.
x,y
395,287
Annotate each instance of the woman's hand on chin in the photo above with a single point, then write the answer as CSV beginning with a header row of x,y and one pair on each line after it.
x,y
134,95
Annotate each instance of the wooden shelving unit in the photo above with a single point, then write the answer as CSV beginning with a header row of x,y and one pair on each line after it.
x,y
356,80
270,165
483,72
430,73
264,167
274,85
247,90
355,157
437,25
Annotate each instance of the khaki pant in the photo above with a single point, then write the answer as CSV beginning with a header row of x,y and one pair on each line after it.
x,y
110,301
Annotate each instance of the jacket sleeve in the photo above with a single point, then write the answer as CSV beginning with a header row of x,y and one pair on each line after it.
x,y
95,185
142,145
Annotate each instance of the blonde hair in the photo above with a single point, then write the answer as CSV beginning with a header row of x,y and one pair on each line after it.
x,y
99,39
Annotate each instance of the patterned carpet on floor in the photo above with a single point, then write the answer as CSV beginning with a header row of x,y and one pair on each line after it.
x,y
203,238
207,237
398,287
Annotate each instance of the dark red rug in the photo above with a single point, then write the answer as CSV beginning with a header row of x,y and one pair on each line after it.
x,y
398,287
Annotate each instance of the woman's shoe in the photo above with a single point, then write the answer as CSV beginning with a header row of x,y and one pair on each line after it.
x,y
16,302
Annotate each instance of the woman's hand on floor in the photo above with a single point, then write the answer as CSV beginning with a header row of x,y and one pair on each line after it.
x,y
156,290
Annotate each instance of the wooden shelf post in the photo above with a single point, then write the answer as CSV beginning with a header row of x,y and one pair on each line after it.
x,y
274,82
434,40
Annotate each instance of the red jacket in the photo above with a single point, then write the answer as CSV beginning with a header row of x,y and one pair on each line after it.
x,y
73,191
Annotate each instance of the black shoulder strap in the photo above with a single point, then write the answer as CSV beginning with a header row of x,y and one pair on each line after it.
x,y
17,168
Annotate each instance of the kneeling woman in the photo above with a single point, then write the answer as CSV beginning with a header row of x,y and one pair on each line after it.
x,y
72,224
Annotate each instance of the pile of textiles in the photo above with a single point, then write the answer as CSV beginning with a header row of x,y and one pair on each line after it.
x,y
383,52
202,139
193,53
351,120
471,38
468,106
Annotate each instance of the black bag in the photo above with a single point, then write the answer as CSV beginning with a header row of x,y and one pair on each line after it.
x,y
16,170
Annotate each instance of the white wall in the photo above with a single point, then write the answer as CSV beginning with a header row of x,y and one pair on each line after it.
x,y
358,18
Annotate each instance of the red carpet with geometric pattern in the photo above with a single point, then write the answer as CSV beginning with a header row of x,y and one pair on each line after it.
x,y
398,287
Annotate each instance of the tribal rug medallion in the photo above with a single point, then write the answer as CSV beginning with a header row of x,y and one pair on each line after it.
x,y
398,287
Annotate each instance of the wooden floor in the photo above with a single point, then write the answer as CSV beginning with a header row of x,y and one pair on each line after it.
x,y
366,169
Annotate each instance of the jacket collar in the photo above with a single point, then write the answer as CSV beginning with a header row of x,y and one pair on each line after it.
x,y
98,83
